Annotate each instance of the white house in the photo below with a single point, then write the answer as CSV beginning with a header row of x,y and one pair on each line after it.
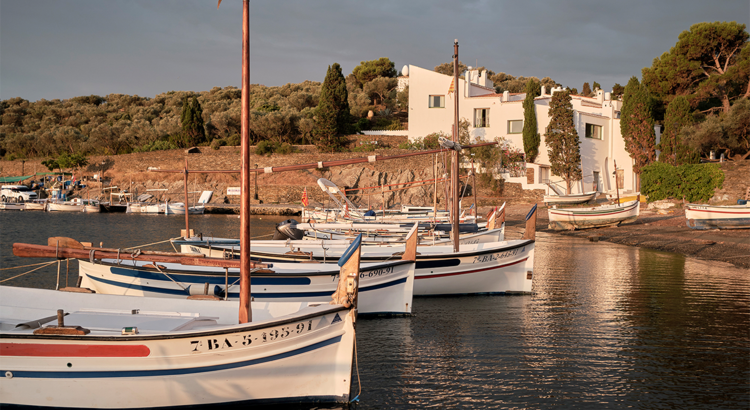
x,y
492,115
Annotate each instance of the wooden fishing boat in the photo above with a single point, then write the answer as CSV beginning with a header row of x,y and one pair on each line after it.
x,y
700,216
12,206
569,199
386,288
129,352
91,206
484,268
36,205
596,217
75,205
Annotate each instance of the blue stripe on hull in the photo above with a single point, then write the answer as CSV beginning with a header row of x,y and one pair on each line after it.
x,y
256,295
216,279
169,372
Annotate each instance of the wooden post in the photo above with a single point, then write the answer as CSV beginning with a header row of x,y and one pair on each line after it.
x,y
187,219
245,313
434,195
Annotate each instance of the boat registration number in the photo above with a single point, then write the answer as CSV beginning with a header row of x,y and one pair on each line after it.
x,y
375,273
238,340
495,256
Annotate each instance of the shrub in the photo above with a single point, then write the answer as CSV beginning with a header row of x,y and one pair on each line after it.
x,y
284,149
265,148
218,143
365,147
691,182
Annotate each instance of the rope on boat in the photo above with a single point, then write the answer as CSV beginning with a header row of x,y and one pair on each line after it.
x,y
151,244
356,365
27,266
25,273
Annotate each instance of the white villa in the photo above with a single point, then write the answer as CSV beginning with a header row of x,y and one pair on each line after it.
x,y
493,115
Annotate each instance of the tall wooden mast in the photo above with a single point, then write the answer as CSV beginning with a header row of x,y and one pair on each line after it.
x,y
455,153
245,266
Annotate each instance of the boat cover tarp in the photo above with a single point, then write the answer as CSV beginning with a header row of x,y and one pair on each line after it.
x,y
14,179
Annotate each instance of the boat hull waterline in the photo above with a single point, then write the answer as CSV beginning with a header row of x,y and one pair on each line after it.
x,y
385,289
484,268
283,360
717,217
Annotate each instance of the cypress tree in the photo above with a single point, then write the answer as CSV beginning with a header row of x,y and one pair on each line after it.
x,y
586,90
563,144
332,114
531,138
637,125
676,117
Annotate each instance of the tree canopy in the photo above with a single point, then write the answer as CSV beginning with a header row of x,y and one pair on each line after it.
x,y
637,125
561,137
710,64
367,71
332,115
531,138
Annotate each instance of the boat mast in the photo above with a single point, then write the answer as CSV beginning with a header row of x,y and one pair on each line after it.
x,y
245,314
454,153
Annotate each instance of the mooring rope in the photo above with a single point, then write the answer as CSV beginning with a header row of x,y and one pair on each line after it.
x,y
26,266
26,273
356,365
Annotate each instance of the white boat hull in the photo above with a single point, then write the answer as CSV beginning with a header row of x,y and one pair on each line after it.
x,y
584,218
569,199
700,216
385,289
292,358
485,268
12,206
63,207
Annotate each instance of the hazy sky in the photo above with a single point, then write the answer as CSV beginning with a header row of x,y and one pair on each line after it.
x,y
66,48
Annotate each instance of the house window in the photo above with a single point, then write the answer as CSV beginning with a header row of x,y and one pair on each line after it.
x,y
515,126
481,118
437,101
594,131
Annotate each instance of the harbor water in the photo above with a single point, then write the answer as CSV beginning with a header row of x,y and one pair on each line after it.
x,y
607,327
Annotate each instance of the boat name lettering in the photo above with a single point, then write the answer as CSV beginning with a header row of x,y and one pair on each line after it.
x,y
494,256
211,344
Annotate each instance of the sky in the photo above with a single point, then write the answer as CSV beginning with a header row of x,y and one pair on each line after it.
x,y
59,49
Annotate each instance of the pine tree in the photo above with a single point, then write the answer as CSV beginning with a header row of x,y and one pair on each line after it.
x,y
637,125
332,116
563,144
586,90
531,138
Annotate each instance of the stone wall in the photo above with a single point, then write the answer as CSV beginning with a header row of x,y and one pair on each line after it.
x,y
131,171
736,182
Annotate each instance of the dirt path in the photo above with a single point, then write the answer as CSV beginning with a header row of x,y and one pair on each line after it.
x,y
664,232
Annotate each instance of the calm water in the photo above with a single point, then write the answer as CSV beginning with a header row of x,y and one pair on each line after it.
x,y
608,327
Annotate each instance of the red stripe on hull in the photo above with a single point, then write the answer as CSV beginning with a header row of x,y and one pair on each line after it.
x,y
468,272
72,350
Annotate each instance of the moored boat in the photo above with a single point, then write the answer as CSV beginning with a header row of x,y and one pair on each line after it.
x,y
75,205
596,217
700,216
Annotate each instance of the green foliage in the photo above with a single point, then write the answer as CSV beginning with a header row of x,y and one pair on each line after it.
x,y
637,125
160,145
428,142
332,115
691,182
218,143
531,138
272,147
587,90
193,131
447,68
563,144
366,146
367,71
51,164
617,91
728,132
674,152
710,63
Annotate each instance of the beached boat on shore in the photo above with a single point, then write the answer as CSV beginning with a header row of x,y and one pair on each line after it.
x,y
569,199
596,217
700,216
